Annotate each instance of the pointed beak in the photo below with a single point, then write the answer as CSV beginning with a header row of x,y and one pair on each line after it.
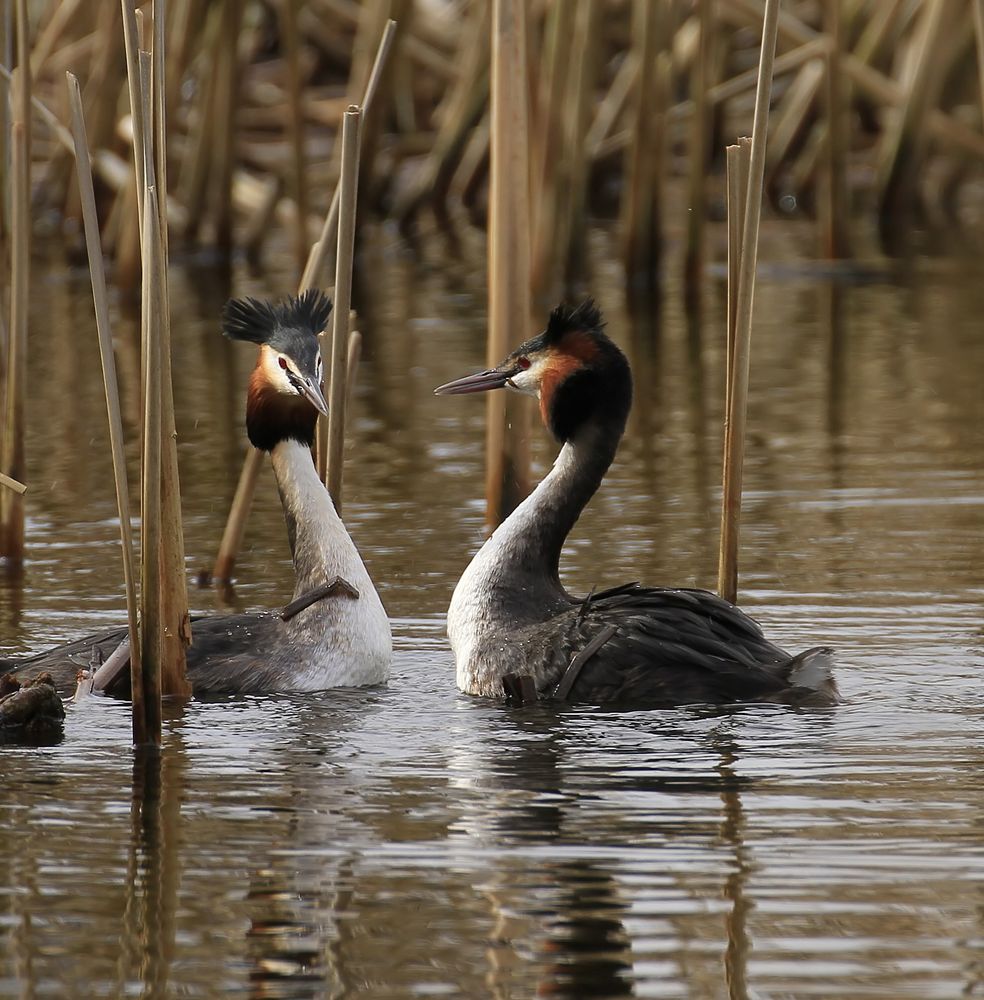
x,y
311,391
493,378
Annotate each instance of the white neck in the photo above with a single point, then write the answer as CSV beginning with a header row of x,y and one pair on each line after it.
x,y
319,542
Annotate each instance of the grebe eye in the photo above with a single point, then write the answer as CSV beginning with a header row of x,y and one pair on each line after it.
x,y
524,363
283,363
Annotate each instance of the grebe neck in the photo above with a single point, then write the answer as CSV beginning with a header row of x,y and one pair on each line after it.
x,y
319,543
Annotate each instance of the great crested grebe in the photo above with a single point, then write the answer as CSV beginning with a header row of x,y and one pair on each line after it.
x,y
334,633
514,628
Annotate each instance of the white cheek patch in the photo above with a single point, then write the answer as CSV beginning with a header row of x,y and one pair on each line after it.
x,y
528,381
275,375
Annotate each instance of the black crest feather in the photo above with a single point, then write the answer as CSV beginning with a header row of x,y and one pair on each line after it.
x,y
262,322
566,318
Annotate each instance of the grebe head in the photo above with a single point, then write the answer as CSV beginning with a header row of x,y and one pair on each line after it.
x,y
572,367
285,394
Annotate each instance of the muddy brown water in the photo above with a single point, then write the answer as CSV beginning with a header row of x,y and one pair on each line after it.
x,y
411,841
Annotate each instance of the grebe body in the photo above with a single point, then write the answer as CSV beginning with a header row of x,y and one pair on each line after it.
x,y
512,625
336,633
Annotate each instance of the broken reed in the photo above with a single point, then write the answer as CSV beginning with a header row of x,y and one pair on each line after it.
x,y
739,354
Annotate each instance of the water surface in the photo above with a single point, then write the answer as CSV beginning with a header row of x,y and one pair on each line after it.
x,y
411,841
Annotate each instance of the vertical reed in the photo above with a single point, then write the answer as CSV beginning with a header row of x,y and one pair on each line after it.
x,y
6,57
100,300
572,221
903,145
174,585
12,433
348,186
163,593
554,99
507,456
731,498
151,619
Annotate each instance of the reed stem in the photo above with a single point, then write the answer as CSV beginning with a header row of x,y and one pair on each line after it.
x,y
98,279
12,484
348,187
12,459
507,442
152,624
737,408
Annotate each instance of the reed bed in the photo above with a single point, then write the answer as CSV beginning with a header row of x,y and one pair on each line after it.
x,y
253,146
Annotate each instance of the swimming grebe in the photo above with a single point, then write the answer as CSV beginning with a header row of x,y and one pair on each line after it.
x,y
516,631
334,633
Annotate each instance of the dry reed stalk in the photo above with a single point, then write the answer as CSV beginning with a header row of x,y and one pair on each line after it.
x,y
639,215
869,82
612,104
507,441
548,151
884,19
835,206
6,59
295,129
315,272
12,433
63,15
194,171
131,37
738,157
792,115
348,186
151,618
352,367
100,301
731,500
473,168
174,585
463,107
693,267
261,218
573,196
374,17
903,146
227,100
12,484
235,529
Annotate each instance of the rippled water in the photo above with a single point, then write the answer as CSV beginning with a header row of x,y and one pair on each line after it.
x,y
412,841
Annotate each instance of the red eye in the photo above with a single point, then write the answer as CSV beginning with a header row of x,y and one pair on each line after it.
x,y
283,363
524,363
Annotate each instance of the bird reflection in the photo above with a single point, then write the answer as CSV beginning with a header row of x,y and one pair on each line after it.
x,y
587,952
584,947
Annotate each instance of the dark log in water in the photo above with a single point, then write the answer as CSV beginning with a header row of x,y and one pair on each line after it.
x,y
31,712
